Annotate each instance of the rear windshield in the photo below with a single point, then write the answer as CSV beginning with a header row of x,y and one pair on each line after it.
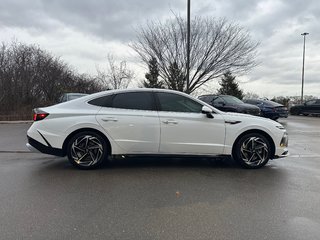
x,y
271,103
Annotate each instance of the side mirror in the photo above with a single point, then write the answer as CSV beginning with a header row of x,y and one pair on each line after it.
x,y
208,111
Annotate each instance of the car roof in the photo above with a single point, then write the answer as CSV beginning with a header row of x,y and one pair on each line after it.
x,y
216,95
109,92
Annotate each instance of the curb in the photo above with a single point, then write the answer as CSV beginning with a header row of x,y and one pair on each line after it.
x,y
15,151
15,122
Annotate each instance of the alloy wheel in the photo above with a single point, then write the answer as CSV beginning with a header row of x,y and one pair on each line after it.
x,y
86,150
254,151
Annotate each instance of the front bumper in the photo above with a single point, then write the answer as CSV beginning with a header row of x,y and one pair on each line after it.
x,y
282,155
282,150
33,145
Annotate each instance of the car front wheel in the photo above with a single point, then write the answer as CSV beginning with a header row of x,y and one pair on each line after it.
x,y
87,150
252,150
295,112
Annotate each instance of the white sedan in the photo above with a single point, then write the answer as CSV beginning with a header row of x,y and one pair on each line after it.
x,y
154,122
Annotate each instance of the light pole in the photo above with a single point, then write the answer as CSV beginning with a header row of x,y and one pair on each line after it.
x,y
188,46
304,52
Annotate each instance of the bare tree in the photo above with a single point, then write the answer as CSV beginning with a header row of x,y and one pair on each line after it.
x,y
31,77
116,75
216,47
251,95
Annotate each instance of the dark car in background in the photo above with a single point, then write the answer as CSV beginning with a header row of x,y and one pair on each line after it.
x,y
229,103
309,107
269,109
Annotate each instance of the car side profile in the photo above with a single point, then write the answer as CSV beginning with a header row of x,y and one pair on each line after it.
x,y
269,109
229,103
309,107
93,128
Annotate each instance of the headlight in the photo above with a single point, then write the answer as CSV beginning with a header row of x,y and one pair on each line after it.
x,y
284,140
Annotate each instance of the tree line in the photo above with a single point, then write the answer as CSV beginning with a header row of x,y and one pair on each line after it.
x,y
30,77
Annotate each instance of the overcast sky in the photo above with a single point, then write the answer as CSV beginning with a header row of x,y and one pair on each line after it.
x,y
83,32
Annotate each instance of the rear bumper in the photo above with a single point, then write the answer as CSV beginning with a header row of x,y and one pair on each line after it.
x,y
283,115
31,148
34,146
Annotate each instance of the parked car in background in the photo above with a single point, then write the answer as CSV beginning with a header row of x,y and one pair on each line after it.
x,y
229,103
70,96
309,107
269,109
152,122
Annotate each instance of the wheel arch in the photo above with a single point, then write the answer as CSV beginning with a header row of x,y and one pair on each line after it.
x,y
263,133
66,141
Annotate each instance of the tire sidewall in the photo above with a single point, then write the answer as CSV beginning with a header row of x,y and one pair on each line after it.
x,y
103,143
237,150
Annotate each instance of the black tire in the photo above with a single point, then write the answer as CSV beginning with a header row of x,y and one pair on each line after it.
x,y
252,151
295,112
87,150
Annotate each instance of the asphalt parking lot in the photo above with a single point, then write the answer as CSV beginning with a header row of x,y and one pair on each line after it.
x,y
43,197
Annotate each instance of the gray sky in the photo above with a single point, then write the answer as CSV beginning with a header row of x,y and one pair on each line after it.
x,y
83,32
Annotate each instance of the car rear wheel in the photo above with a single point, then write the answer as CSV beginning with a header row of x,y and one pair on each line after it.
x,y
252,150
87,150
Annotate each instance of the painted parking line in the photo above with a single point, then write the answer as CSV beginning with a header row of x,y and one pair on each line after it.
x,y
15,151
304,156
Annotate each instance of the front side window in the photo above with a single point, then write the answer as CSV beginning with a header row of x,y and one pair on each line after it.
x,y
206,99
176,103
311,102
134,100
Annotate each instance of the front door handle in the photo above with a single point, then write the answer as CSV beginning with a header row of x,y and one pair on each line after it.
x,y
109,119
169,121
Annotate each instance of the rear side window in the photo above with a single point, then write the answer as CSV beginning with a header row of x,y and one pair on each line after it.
x,y
207,99
218,101
104,101
134,100
311,102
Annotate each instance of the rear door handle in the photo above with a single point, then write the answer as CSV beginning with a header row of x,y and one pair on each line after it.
x,y
170,122
109,119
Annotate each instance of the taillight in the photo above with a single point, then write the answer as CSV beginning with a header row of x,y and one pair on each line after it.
x,y
39,115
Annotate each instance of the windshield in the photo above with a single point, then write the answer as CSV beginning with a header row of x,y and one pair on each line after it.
x,y
271,103
231,100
